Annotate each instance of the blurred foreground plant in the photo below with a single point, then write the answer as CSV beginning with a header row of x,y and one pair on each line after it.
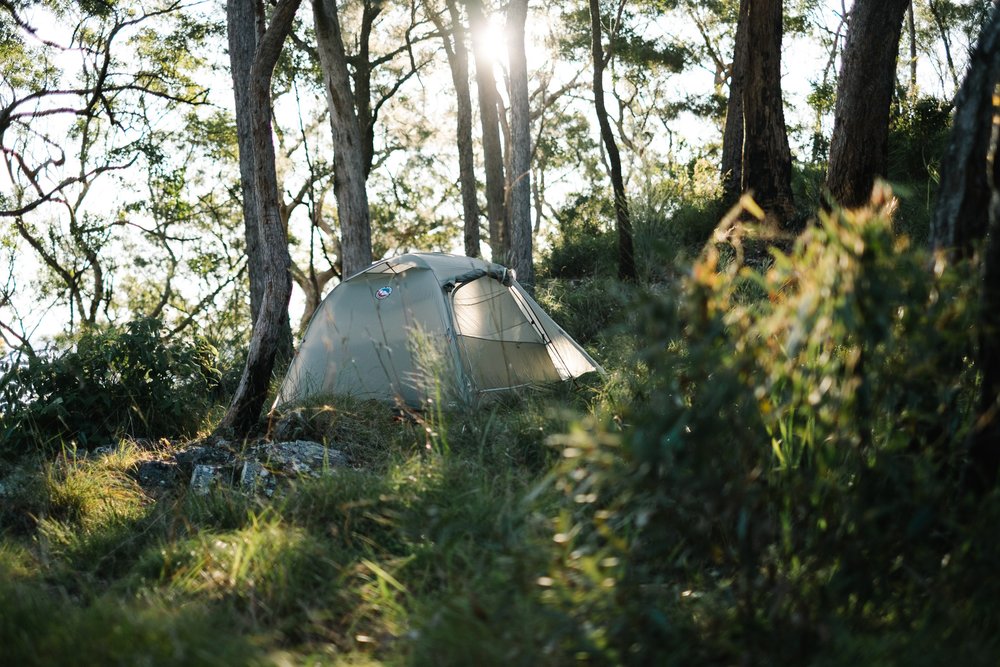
x,y
788,490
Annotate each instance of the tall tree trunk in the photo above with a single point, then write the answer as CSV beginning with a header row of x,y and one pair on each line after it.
x,y
371,9
766,165
520,128
960,216
243,412
626,252
984,449
243,29
732,138
911,26
489,100
348,142
968,211
859,147
458,60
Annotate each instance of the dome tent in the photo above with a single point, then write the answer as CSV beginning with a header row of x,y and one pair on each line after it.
x,y
408,328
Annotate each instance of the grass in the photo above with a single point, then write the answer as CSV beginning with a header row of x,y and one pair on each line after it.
x,y
383,562
738,489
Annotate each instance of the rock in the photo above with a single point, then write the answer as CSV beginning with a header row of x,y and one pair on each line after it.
x,y
255,478
157,474
203,478
190,458
300,457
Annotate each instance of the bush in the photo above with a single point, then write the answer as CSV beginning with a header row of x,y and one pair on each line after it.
x,y
789,488
585,245
666,226
116,381
918,136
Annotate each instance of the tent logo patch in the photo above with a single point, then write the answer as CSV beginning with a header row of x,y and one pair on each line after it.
x,y
383,292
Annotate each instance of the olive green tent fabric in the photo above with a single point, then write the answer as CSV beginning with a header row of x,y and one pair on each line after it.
x,y
430,324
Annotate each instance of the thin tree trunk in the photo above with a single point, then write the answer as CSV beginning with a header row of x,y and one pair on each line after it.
x,y
767,159
970,192
243,412
348,142
732,138
626,252
363,82
911,26
508,169
960,216
492,151
859,148
945,39
458,60
520,126
244,27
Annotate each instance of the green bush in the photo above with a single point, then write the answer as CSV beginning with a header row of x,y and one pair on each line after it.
x,y
585,244
116,381
788,491
918,136
666,226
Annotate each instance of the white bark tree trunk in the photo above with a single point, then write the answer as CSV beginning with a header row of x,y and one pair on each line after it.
x,y
243,28
348,152
521,238
243,412
458,60
492,151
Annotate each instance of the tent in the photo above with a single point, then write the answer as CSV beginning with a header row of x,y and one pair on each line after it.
x,y
430,325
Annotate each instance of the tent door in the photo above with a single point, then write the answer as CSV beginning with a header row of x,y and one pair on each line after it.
x,y
500,343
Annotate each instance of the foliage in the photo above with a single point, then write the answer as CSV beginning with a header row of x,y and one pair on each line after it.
x,y
918,134
789,491
372,563
671,220
116,381
768,474
106,632
584,245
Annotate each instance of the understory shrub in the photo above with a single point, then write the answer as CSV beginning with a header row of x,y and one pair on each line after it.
x,y
115,381
666,228
789,491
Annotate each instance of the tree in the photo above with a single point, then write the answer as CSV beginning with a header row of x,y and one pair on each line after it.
x,y
243,411
732,140
490,112
243,27
520,128
31,97
968,211
984,446
354,109
75,115
456,51
348,143
961,215
859,148
626,253
765,160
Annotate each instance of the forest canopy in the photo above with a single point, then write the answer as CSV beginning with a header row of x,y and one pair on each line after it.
x,y
119,133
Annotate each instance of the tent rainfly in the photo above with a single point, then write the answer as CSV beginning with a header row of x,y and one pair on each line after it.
x,y
426,325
